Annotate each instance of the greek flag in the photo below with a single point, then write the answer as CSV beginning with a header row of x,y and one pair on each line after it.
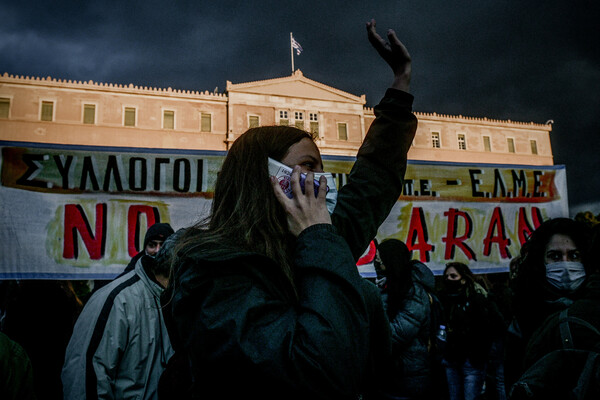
x,y
296,46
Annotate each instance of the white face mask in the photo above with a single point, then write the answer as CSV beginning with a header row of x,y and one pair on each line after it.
x,y
565,275
282,172
331,198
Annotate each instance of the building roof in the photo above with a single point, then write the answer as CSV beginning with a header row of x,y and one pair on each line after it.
x,y
296,85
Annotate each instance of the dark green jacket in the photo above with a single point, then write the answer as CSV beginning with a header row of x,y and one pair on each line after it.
x,y
16,374
234,314
548,337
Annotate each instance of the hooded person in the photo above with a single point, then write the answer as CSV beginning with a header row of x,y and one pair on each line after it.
x,y
406,286
153,241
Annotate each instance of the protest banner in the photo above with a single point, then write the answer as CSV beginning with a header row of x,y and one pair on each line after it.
x,y
81,212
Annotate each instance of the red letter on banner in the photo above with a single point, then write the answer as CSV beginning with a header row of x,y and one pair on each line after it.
x,y
497,224
133,225
524,229
76,222
418,231
452,240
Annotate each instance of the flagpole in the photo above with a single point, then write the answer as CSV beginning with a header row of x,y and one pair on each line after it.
x,y
292,52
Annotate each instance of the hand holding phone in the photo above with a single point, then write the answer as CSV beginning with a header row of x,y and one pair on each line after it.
x,y
301,207
283,174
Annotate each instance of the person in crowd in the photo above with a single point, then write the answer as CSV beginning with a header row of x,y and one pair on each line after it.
x,y
471,322
552,272
266,298
561,351
16,373
153,240
500,295
120,345
407,299
39,315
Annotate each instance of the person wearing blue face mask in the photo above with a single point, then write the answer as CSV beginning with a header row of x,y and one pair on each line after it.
x,y
564,269
559,360
552,274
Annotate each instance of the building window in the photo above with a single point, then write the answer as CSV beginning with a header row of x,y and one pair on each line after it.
x,y
487,145
253,121
129,116
299,119
511,145
342,128
533,146
314,124
4,107
205,122
283,118
462,142
47,110
435,140
168,119
89,114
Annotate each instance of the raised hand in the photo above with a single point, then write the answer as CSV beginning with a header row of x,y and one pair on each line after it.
x,y
394,53
303,209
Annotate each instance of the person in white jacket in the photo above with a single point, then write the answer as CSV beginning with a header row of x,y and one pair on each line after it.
x,y
120,346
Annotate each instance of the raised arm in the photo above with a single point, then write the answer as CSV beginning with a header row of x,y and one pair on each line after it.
x,y
394,53
375,181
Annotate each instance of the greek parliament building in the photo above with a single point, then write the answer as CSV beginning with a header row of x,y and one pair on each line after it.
x,y
49,110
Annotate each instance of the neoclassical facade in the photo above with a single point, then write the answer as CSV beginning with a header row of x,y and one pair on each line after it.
x,y
49,110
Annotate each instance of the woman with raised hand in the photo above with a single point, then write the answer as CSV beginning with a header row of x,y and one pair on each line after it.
x,y
265,298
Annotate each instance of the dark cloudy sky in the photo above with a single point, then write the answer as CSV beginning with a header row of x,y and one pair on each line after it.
x,y
512,59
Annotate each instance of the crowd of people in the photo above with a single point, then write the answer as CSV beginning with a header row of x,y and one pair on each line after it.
x,y
263,298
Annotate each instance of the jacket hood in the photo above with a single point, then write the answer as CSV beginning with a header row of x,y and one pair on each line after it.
x,y
422,273
143,269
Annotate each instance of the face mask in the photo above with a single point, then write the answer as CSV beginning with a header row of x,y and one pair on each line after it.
x,y
331,198
283,173
566,276
452,286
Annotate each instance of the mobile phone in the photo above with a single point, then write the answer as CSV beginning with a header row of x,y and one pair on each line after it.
x,y
283,173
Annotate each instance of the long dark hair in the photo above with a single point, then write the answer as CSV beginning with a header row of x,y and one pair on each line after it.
x,y
395,256
245,212
531,275
532,292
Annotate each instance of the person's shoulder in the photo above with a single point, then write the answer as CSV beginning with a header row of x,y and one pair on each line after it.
x,y
422,274
115,290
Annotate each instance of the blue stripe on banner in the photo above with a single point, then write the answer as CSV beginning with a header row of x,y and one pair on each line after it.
x,y
149,150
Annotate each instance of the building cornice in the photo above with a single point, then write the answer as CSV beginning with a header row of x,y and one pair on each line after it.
x,y
110,87
496,123
481,121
